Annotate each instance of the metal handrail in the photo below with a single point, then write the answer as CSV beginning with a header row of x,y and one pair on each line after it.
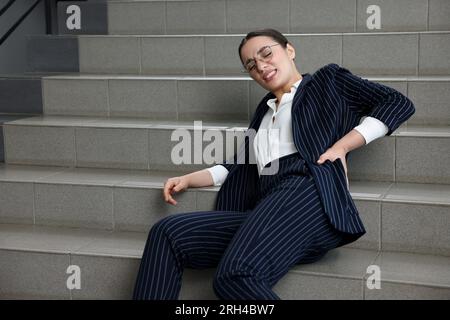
x,y
48,16
3,10
19,21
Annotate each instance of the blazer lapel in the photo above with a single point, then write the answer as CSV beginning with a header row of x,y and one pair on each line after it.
x,y
300,91
240,191
263,107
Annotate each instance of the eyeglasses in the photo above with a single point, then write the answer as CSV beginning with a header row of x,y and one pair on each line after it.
x,y
264,54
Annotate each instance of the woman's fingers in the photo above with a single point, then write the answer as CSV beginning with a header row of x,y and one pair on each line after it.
x,y
345,165
334,156
177,187
172,201
168,189
331,154
322,158
327,155
173,185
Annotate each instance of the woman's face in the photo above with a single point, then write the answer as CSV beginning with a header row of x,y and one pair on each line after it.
x,y
276,73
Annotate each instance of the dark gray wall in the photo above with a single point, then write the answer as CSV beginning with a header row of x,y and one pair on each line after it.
x,y
13,50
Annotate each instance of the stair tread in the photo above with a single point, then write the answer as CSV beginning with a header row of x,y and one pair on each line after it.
x,y
417,130
120,122
341,262
12,117
100,76
438,194
71,240
27,75
183,35
84,176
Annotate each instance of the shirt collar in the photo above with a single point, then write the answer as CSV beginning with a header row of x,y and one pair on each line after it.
x,y
271,102
295,85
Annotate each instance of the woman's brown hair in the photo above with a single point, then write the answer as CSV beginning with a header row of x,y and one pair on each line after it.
x,y
274,34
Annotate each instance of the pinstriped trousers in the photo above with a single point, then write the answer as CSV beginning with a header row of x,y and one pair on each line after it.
x,y
252,250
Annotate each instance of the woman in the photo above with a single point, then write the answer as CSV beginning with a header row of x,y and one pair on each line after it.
x,y
266,221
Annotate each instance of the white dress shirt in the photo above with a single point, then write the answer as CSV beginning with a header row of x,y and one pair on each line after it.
x,y
274,138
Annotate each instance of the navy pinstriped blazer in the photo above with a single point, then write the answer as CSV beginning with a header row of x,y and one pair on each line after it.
x,y
326,106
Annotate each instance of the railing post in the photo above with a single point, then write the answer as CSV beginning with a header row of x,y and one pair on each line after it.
x,y
48,17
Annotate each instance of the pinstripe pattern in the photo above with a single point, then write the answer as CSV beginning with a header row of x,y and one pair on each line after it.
x,y
264,225
326,106
252,250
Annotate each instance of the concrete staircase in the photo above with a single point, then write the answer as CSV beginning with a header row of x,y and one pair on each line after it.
x,y
86,141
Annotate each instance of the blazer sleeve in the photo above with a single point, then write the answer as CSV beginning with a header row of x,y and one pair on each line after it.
x,y
367,98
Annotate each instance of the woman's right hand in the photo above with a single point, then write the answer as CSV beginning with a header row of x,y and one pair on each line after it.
x,y
174,185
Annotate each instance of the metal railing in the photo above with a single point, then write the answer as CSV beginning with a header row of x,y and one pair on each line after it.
x,y
48,21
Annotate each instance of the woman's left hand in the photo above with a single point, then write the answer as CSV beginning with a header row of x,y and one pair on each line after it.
x,y
332,154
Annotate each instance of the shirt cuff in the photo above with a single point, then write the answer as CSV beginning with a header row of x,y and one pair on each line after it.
x,y
219,173
371,128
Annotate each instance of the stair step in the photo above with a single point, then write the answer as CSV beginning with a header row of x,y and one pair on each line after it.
x,y
381,53
408,130
82,184
36,260
228,98
4,117
119,122
20,94
405,217
416,154
168,17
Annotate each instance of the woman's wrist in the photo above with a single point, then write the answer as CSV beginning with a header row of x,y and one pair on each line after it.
x,y
188,179
200,178
350,141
